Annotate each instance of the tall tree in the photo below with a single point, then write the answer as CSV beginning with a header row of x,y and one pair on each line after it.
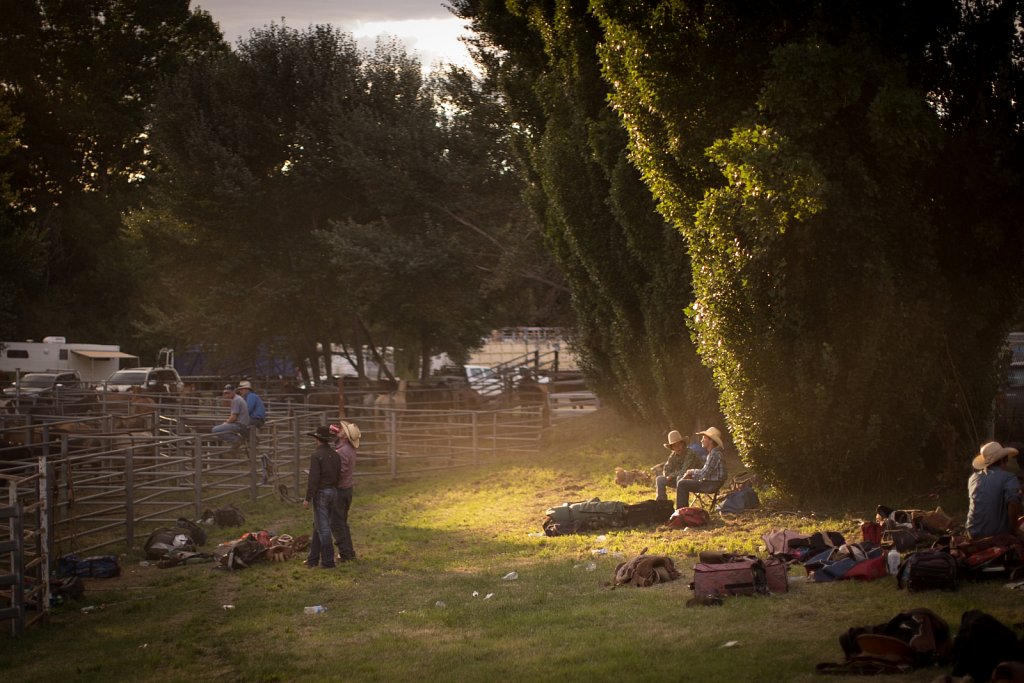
x,y
80,78
814,155
309,192
627,268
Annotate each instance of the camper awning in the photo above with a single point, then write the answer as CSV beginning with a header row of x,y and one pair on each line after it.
x,y
96,355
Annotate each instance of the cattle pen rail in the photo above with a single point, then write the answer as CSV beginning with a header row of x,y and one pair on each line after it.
x,y
80,484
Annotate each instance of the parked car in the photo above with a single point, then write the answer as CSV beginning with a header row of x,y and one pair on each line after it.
x,y
151,380
39,385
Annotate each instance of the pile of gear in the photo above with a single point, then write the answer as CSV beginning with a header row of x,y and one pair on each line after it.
x,y
179,545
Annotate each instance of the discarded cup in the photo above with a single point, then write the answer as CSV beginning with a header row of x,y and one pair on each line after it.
x,y
511,576
476,594
440,604
315,609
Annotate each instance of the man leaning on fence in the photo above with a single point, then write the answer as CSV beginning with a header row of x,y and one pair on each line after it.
x,y
257,411
236,426
322,492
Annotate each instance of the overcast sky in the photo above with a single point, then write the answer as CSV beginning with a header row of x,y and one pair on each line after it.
x,y
425,26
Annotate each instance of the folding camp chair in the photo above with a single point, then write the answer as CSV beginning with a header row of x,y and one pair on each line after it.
x,y
708,501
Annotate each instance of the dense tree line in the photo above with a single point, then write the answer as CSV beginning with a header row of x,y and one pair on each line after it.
x,y
166,189
844,178
627,267
803,214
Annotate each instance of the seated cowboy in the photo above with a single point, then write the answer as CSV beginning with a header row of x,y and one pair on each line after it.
x,y
708,478
994,493
681,458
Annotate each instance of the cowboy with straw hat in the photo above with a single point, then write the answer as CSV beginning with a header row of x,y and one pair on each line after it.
x,y
347,436
993,493
710,477
683,457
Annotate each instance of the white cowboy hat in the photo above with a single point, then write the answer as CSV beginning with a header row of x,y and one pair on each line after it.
x,y
991,452
713,434
245,384
352,432
673,437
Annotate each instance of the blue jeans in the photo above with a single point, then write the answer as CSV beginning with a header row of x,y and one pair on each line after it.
x,y
339,524
685,486
661,482
229,431
321,546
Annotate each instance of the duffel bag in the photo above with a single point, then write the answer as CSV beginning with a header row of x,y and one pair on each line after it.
x,y
777,575
930,569
747,577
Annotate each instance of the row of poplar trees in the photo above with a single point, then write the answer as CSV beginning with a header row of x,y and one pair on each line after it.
x,y
804,214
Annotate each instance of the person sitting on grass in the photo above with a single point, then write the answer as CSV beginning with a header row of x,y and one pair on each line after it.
x,y
708,478
993,493
681,458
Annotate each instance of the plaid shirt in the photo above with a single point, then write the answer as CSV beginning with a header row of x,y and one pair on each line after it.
x,y
714,467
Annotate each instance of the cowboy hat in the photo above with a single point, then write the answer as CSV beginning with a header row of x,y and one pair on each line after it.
x,y
321,433
227,388
673,437
990,453
245,384
352,432
713,434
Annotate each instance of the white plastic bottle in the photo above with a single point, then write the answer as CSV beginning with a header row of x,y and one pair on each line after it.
x,y
892,561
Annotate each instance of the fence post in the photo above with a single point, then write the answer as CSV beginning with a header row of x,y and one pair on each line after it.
x,y
129,492
476,444
494,434
295,449
393,441
44,546
197,473
251,449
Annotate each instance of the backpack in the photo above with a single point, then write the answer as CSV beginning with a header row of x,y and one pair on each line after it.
x,y
97,566
229,516
691,516
871,531
981,643
197,532
162,541
735,502
239,553
746,577
930,569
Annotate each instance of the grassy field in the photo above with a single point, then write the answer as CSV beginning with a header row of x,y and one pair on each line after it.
x,y
427,599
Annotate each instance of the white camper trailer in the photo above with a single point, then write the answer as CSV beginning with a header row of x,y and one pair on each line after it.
x,y
94,362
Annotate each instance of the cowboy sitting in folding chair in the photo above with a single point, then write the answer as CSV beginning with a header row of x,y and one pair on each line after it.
x,y
708,479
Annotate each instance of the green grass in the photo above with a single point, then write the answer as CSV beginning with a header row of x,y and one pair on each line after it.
x,y
440,538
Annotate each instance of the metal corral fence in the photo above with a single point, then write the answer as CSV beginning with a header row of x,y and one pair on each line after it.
x,y
76,485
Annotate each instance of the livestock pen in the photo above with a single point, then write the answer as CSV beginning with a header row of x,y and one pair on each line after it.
x,y
94,481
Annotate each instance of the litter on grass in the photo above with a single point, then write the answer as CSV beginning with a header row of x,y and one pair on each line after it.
x,y
511,576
